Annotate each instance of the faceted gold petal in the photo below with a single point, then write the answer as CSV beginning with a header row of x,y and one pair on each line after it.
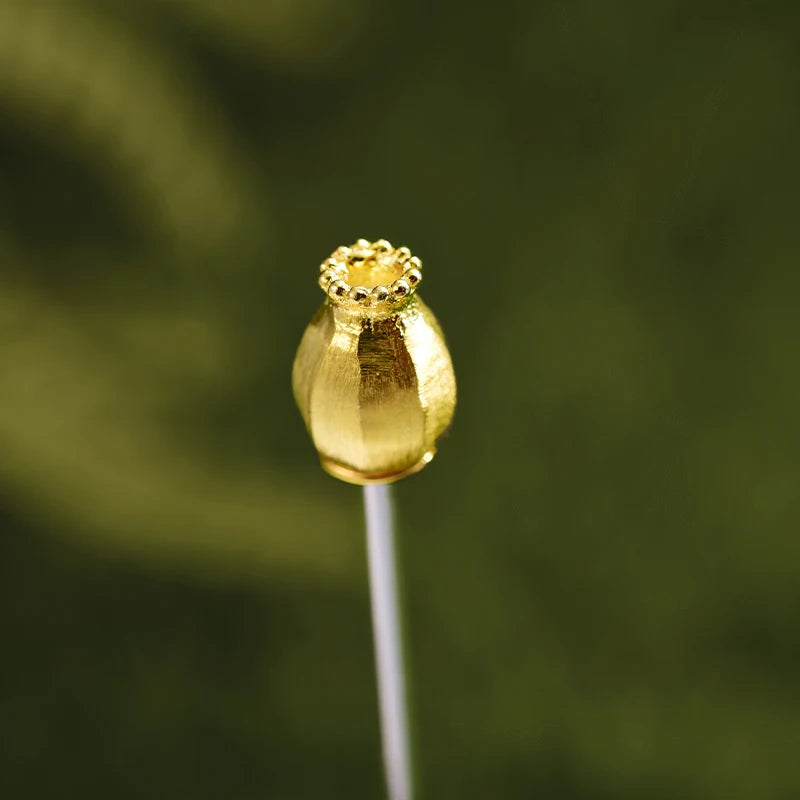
x,y
435,377
392,419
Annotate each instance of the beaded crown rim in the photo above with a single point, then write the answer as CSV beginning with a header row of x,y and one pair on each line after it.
x,y
335,271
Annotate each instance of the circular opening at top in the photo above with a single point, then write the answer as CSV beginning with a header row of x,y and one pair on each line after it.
x,y
370,274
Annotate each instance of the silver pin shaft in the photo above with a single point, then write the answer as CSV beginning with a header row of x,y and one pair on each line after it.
x,y
387,631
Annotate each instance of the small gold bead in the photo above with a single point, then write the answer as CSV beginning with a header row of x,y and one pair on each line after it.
x,y
413,276
363,243
380,293
358,293
414,262
402,254
326,277
331,263
338,289
382,246
400,288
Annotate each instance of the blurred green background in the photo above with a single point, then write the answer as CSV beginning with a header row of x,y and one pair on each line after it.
x,y
601,565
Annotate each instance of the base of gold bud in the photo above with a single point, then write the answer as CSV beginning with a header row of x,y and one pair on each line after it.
x,y
350,475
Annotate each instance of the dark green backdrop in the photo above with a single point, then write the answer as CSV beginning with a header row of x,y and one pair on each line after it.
x,y
601,565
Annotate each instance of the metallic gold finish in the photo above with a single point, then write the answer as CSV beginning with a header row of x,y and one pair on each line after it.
x,y
372,376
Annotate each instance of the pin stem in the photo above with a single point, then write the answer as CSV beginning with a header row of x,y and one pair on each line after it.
x,y
387,631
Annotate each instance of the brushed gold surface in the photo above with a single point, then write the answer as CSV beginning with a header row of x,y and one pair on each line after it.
x,y
372,376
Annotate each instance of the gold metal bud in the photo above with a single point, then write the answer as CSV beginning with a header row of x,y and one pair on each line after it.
x,y
372,376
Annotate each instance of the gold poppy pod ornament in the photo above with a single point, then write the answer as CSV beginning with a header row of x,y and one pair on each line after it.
x,y
372,376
